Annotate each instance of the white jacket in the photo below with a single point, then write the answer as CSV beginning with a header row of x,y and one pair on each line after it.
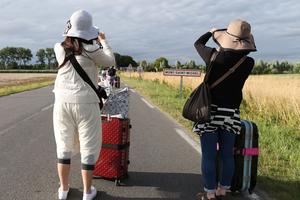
x,y
69,86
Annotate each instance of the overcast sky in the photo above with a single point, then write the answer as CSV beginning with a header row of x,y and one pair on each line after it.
x,y
147,29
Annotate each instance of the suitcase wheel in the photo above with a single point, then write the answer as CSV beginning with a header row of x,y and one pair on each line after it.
x,y
97,177
130,126
117,182
128,162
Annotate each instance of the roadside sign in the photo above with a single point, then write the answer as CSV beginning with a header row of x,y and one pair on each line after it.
x,y
140,70
182,72
129,69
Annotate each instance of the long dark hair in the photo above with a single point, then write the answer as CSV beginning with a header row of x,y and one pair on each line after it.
x,y
74,45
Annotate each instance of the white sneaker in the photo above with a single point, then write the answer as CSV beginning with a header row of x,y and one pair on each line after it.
x,y
90,196
62,195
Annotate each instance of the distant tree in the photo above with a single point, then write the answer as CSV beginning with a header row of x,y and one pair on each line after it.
x,y
126,60
157,63
296,68
15,57
184,66
2,66
5,57
50,56
143,64
282,67
261,67
163,64
149,67
191,65
202,68
41,56
10,54
24,56
117,58
178,64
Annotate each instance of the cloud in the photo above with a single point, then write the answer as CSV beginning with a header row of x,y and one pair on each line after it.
x,y
149,29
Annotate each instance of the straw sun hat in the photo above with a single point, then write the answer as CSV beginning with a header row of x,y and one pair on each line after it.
x,y
81,25
236,37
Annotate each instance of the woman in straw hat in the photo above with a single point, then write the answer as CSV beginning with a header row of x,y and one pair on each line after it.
x,y
234,43
76,114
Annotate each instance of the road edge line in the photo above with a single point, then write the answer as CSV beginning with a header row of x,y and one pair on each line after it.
x,y
189,140
147,103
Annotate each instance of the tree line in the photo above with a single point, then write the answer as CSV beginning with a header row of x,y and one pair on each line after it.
x,y
21,58
260,67
276,67
161,63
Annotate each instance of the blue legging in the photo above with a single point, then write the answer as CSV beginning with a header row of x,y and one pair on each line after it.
x,y
209,152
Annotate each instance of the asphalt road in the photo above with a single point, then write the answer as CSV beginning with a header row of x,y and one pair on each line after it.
x,y
163,164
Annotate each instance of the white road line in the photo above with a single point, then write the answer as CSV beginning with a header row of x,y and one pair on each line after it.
x,y
147,103
27,118
47,107
189,140
132,90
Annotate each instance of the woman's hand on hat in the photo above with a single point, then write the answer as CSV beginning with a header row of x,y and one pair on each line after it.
x,y
213,30
101,36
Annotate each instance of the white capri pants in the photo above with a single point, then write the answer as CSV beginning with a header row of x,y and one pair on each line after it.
x,y
73,121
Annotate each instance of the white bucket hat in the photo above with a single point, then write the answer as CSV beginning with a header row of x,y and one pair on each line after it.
x,y
80,25
236,37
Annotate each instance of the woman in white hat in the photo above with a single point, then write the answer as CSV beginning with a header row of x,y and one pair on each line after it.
x,y
234,43
76,114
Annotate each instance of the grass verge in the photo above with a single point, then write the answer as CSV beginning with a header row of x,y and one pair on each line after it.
x,y
25,86
279,161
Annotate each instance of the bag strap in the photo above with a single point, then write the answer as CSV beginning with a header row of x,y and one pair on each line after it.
x,y
212,59
230,71
70,56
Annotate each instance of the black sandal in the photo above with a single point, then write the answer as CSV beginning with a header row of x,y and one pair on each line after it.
x,y
203,196
222,197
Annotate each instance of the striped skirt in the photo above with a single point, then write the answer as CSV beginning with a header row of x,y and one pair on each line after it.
x,y
224,118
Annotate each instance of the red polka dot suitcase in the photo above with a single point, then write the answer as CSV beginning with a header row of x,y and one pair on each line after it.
x,y
113,160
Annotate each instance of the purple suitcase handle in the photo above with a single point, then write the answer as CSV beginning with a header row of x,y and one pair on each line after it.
x,y
247,151
250,151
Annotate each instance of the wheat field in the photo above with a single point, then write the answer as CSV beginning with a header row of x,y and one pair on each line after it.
x,y
278,95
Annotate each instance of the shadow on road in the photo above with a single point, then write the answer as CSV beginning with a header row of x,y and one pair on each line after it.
x,y
153,186
76,194
168,185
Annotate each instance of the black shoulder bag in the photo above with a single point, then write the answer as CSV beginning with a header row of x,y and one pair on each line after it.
x,y
100,91
198,106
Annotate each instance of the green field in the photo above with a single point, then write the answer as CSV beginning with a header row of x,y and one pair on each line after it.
x,y
279,161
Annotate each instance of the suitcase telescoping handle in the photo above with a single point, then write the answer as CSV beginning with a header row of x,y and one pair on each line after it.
x,y
107,120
